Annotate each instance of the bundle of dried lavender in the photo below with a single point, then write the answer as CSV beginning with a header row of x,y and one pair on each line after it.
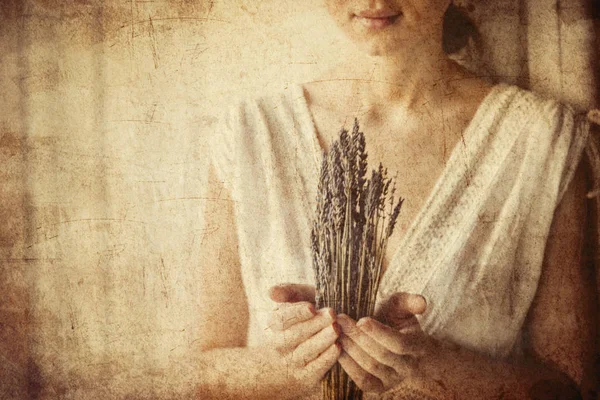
x,y
354,218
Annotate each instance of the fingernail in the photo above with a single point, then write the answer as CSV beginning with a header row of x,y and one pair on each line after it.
x,y
420,302
363,323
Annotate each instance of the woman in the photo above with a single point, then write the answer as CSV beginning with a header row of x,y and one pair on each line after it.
x,y
483,296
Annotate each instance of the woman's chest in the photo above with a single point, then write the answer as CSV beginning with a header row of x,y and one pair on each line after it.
x,y
413,150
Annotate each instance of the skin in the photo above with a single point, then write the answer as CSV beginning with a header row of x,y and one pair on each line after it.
x,y
419,102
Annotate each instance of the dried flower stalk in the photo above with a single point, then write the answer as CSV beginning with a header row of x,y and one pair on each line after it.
x,y
354,218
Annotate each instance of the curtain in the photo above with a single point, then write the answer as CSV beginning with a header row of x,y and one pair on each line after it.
x,y
106,108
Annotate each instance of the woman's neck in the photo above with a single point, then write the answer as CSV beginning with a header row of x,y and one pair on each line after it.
x,y
406,80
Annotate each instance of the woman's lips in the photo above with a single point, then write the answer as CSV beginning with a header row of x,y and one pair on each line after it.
x,y
377,22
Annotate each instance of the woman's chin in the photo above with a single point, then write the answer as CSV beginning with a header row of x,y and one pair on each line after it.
x,y
378,49
383,44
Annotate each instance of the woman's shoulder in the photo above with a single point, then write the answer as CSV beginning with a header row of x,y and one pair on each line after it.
x,y
254,126
265,121
541,120
264,102
258,117
562,128
536,106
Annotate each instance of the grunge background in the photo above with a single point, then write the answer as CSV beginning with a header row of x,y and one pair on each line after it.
x,y
105,108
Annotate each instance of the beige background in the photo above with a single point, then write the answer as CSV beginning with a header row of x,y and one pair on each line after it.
x,y
104,113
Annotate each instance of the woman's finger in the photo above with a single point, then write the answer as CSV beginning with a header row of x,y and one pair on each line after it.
x,y
288,314
317,344
371,366
292,293
364,380
289,339
406,324
372,347
370,355
400,309
318,367
367,343
410,303
409,343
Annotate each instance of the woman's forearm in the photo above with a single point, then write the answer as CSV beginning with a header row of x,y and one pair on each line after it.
x,y
253,373
465,374
233,373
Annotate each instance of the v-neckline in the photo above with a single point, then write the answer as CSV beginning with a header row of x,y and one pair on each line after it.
x,y
468,135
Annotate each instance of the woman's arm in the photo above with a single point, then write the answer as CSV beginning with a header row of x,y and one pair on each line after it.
x,y
301,346
221,287
222,340
559,335
561,321
559,329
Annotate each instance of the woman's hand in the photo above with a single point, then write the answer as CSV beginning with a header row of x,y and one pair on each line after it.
x,y
302,344
379,357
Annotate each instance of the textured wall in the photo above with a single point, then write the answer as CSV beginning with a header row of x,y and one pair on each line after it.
x,y
105,108
105,111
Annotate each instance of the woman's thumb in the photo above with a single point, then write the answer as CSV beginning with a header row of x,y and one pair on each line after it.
x,y
409,304
401,306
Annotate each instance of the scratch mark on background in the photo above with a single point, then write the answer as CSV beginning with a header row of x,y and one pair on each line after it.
x,y
98,220
153,43
211,4
193,19
163,279
151,111
31,259
196,52
144,279
145,121
131,46
206,232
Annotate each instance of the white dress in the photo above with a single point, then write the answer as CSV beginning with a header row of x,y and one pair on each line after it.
x,y
475,249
